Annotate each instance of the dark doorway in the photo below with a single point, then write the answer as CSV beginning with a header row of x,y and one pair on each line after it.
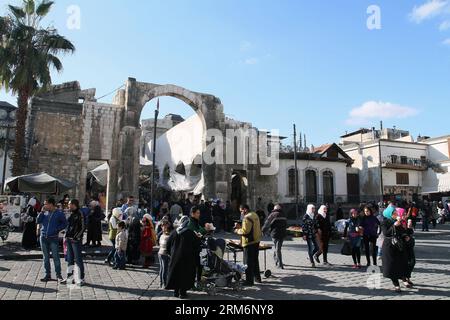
x,y
353,188
238,189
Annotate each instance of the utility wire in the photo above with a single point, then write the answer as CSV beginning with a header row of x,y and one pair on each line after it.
x,y
111,92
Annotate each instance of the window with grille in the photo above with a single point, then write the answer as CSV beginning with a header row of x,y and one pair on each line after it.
x,y
403,178
292,186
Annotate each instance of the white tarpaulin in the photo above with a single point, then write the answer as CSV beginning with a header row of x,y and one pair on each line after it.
x,y
436,183
101,174
444,182
180,145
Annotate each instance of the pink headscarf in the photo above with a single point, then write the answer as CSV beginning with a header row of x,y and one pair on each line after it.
x,y
401,213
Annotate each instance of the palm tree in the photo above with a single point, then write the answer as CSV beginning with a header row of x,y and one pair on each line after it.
x,y
28,51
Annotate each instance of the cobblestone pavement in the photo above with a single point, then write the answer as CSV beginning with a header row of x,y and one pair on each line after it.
x,y
19,280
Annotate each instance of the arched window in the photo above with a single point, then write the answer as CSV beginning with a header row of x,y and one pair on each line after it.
x,y
291,181
328,187
311,186
181,169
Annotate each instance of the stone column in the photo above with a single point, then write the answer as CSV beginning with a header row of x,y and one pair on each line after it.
x,y
128,173
112,194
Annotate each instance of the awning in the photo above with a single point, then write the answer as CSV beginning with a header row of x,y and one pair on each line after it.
x,y
444,182
442,185
39,183
101,174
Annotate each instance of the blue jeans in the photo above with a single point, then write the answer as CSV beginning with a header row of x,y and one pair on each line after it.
x,y
47,245
425,226
163,269
74,255
277,255
119,259
313,248
112,252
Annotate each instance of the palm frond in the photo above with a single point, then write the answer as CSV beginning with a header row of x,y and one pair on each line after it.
x,y
29,7
57,43
44,8
55,62
17,12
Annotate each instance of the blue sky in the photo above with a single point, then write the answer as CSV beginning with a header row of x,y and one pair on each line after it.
x,y
273,63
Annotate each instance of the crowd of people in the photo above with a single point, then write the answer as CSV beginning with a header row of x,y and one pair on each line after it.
x,y
385,232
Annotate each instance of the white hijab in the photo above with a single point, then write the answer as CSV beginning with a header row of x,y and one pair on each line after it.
x,y
322,211
309,210
32,202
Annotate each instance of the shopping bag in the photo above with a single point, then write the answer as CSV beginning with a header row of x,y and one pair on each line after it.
x,y
346,249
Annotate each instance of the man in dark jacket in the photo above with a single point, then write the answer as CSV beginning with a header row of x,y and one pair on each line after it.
x,y
74,238
426,216
52,221
276,226
199,231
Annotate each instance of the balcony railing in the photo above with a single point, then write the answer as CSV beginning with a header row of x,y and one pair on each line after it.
x,y
400,162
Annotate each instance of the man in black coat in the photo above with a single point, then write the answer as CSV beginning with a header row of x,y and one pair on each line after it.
x,y
183,246
276,226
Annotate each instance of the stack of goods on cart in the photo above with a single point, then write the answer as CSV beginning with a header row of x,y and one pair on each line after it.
x,y
295,231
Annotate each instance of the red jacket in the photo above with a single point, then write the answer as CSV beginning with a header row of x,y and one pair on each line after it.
x,y
147,240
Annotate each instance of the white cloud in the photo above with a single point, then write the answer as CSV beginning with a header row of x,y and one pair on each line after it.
x,y
246,46
444,25
252,61
379,110
428,10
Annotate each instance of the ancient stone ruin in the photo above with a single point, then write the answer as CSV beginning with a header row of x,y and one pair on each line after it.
x,y
68,129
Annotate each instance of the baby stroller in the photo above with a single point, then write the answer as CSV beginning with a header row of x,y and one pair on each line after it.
x,y
218,273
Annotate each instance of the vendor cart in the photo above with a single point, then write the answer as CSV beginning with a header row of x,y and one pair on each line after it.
x,y
235,247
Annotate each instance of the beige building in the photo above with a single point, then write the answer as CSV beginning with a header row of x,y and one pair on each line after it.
x,y
390,162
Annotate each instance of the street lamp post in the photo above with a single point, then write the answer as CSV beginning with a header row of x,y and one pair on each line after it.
x,y
152,188
5,156
296,173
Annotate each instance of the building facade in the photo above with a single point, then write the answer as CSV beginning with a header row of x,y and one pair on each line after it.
x,y
322,176
392,165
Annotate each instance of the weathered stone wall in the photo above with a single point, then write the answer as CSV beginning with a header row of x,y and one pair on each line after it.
x,y
101,131
65,135
56,140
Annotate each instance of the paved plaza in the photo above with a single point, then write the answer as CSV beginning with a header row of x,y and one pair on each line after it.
x,y
19,278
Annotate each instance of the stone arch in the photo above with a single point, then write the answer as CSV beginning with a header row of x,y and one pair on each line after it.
x,y
209,108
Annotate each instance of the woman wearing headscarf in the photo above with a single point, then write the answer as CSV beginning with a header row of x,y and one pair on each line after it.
x,y
354,231
395,257
183,246
29,238
410,243
134,237
148,240
116,217
309,233
95,217
323,226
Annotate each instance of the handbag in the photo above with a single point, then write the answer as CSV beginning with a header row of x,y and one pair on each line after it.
x,y
397,242
346,249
